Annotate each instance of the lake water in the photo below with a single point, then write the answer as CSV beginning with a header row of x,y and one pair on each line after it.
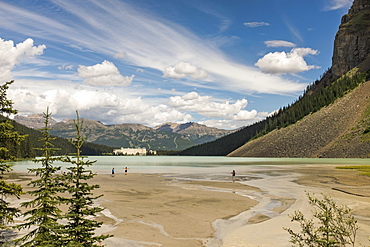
x,y
189,164
270,175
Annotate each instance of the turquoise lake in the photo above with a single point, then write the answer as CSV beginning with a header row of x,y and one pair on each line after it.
x,y
188,164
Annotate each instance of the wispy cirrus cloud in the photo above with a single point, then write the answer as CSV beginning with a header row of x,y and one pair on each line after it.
x,y
338,4
256,24
279,43
147,40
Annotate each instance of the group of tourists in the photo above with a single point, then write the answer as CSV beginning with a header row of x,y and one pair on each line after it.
x,y
126,170
233,173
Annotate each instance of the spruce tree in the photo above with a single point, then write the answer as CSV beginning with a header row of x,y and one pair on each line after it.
x,y
81,225
8,137
44,211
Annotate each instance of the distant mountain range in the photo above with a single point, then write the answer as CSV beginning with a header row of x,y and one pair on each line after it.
x,y
331,119
169,136
196,133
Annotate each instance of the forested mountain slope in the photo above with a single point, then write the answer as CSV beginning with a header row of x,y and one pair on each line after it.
x,y
350,68
29,148
340,130
168,137
124,135
315,97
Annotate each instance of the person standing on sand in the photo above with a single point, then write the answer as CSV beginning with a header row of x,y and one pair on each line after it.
x,y
233,173
126,169
112,172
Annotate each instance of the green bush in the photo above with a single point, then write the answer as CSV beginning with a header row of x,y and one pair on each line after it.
x,y
332,225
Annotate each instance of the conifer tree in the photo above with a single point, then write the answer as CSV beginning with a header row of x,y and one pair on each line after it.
x,y
44,213
80,228
8,137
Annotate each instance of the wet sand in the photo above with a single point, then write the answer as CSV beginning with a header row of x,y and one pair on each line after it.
x,y
346,187
161,211
174,210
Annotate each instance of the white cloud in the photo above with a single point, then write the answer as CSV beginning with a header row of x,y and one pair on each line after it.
x,y
104,74
184,69
121,54
282,62
149,41
256,24
205,106
11,55
95,105
65,67
279,43
338,4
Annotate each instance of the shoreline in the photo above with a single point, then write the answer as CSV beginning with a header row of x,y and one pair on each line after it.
x,y
150,209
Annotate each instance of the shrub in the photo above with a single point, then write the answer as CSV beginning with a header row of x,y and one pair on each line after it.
x,y
332,225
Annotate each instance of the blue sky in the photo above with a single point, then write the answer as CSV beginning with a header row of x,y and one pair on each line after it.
x,y
221,63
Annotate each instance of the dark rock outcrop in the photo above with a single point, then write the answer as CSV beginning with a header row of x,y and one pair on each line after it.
x,y
352,41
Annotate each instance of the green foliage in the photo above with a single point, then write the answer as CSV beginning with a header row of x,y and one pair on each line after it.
x,y
7,213
316,96
332,225
8,137
80,228
19,141
43,217
364,169
44,213
30,147
6,106
121,136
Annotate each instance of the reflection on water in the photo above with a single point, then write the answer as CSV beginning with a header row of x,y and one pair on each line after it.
x,y
188,164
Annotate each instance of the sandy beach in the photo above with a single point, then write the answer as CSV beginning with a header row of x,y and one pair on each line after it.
x,y
176,210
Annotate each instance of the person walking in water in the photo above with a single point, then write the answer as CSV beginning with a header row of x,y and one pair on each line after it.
x,y
126,169
233,173
112,172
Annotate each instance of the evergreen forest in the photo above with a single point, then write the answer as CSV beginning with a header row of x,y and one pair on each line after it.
x,y
317,95
61,211
29,148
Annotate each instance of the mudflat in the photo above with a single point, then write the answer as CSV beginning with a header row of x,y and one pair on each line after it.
x,y
154,210
170,210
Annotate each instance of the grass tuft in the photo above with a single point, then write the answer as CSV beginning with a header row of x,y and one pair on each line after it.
x,y
364,169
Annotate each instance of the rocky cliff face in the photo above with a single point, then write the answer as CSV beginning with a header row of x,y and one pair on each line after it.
x,y
352,41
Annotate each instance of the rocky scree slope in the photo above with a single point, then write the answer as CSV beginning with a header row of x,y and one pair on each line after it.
x,y
340,130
